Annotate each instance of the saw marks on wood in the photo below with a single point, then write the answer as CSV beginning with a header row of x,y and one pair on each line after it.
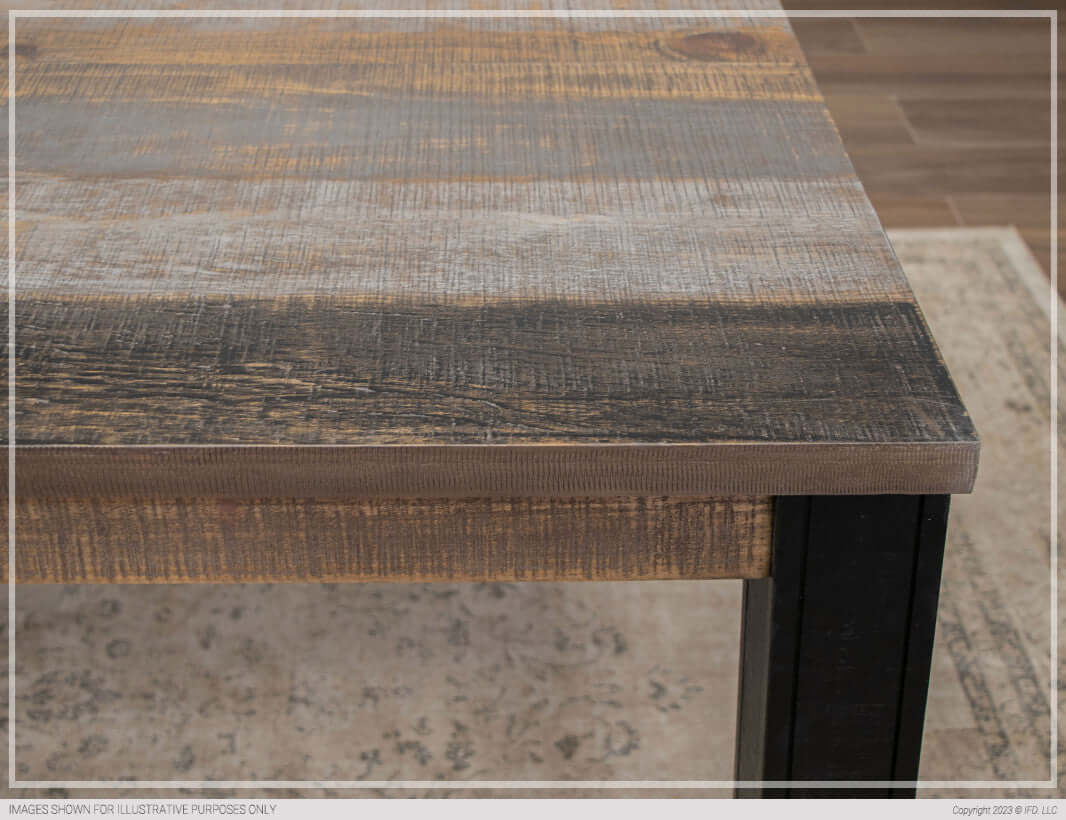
x,y
138,540
542,232
328,372
599,241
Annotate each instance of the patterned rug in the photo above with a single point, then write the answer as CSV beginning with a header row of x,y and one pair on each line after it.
x,y
512,682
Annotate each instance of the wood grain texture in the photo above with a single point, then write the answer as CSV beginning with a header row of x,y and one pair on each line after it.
x,y
551,233
1002,122
137,540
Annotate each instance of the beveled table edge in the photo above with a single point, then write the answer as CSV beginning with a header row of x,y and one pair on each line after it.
x,y
498,470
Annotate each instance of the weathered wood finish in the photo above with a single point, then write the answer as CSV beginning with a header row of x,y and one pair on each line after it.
x,y
323,372
553,234
137,540
522,299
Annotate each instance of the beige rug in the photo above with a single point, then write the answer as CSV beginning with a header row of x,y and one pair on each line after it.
x,y
557,681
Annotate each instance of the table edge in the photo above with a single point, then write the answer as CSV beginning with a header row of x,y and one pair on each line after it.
x,y
498,471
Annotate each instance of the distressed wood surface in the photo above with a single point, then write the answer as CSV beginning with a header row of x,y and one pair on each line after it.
x,y
583,246
138,540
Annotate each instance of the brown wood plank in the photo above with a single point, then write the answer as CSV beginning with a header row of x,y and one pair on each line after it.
x,y
1002,121
911,5
908,211
138,540
939,170
828,36
932,76
1025,211
548,233
1014,44
867,118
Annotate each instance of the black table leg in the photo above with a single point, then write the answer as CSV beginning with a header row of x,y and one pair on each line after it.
x,y
837,644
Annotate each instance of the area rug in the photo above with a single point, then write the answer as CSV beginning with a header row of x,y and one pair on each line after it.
x,y
592,682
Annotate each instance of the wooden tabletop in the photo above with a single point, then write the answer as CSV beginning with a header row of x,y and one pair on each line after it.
x,y
456,257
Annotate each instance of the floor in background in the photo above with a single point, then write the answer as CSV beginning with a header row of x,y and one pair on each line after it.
x,y
559,681
947,120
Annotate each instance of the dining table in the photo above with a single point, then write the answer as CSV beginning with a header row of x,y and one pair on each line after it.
x,y
482,293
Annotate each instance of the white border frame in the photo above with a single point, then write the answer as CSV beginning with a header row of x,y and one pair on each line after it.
x,y
1050,783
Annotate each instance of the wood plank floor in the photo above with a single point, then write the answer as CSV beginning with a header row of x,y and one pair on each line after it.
x,y
946,120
